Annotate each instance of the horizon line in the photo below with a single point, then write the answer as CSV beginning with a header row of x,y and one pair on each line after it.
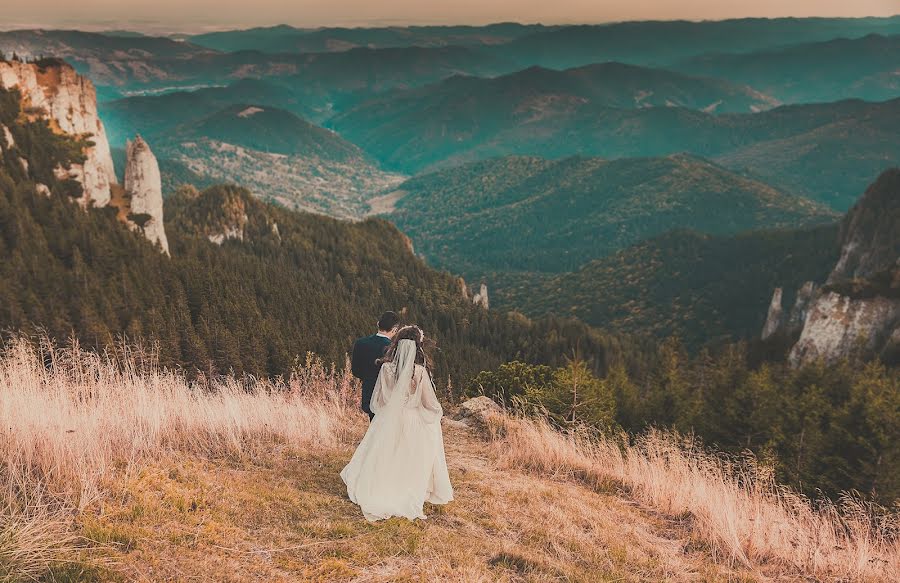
x,y
156,27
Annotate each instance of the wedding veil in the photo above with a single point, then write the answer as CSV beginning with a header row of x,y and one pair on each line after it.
x,y
399,386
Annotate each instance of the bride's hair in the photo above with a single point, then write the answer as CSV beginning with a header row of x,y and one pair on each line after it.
x,y
413,333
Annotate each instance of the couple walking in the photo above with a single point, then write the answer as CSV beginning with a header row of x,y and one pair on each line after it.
x,y
400,463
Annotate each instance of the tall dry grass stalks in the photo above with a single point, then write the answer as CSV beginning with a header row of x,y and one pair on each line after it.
x,y
70,419
734,507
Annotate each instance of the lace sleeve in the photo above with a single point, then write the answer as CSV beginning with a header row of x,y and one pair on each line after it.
x,y
382,393
429,406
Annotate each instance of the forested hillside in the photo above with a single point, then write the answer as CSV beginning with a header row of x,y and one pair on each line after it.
x,y
531,214
305,283
704,289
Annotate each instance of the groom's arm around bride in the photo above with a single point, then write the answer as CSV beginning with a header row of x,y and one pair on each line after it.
x,y
367,351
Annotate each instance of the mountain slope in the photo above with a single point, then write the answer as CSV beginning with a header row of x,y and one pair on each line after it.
x,y
832,163
155,115
532,214
268,129
280,157
864,68
296,283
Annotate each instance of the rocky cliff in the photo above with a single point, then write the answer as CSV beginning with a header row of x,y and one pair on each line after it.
x,y
479,298
52,90
858,309
143,191
838,325
222,213
777,322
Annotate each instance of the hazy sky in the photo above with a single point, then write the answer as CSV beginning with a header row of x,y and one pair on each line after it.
x,y
194,14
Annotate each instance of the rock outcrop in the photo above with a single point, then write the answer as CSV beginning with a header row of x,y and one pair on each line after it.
x,y
838,325
788,325
477,412
6,138
858,309
143,188
55,92
775,317
870,233
480,298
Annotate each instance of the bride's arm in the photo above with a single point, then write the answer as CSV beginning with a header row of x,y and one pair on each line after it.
x,y
382,393
431,407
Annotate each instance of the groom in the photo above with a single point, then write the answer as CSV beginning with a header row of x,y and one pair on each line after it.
x,y
369,349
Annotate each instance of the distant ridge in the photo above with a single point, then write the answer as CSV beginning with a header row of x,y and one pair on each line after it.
x,y
267,129
844,143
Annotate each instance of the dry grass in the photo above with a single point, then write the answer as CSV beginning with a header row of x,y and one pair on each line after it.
x,y
71,422
112,469
735,508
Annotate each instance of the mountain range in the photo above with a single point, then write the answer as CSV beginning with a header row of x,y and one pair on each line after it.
x,y
664,42
830,70
285,39
788,144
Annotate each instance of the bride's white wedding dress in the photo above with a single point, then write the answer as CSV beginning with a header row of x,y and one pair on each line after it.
x,y
400,463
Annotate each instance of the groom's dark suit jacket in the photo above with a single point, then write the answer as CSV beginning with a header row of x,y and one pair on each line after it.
x,y
362,363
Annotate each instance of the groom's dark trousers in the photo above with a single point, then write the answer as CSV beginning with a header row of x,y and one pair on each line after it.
x,y
362,363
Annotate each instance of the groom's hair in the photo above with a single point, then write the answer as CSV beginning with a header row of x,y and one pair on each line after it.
x,y
388,321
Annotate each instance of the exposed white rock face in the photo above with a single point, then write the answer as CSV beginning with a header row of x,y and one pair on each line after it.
x,y
7,138
69,101
481,298
837,325
802,304
235,231
860,307
775,316
144,187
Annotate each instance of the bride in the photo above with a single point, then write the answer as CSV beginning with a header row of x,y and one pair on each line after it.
x,y
400,464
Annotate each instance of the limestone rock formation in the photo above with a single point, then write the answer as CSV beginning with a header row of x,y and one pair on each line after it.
x,y
55,92
837,325
870,233
858,309
779,323
230,232
6,138
143,187
802,304
463,288
775,316
481,298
